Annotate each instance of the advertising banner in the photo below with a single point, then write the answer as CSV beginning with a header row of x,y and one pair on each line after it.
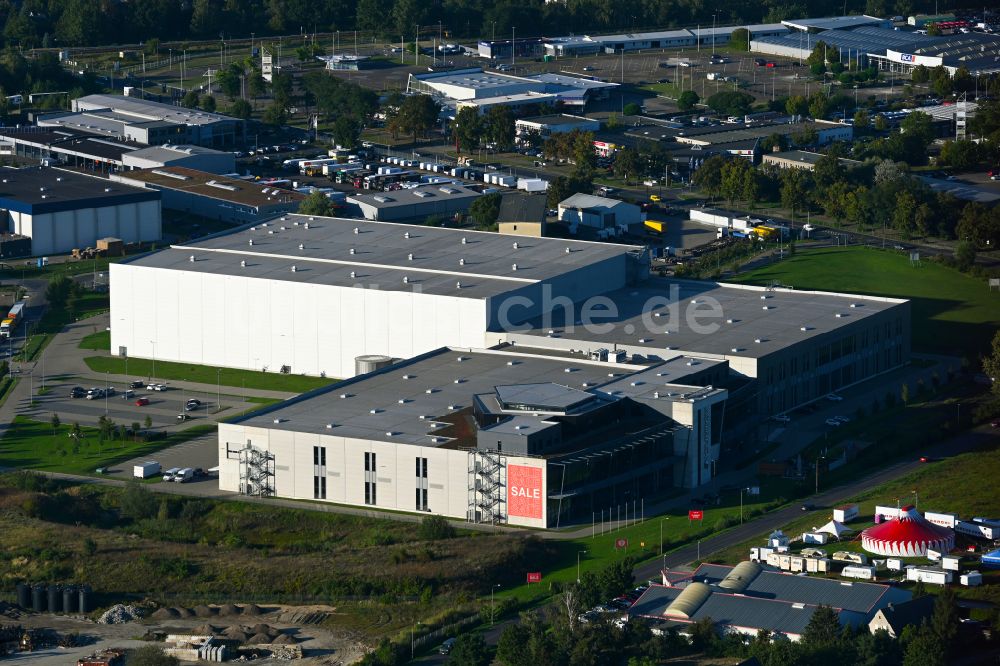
x,y
524,491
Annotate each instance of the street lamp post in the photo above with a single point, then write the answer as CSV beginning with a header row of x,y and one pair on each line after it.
x,y
580,552
218,389
107,384
661,533
492,607
816,490
152,376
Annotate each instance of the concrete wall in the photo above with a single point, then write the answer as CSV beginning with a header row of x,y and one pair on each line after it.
x,y
239,322
447,470
59,233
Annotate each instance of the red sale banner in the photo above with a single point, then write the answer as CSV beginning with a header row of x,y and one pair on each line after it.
x,y
524,491
534,576
696,514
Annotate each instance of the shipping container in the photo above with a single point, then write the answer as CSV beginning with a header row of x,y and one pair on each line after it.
x,y
655,226
845,513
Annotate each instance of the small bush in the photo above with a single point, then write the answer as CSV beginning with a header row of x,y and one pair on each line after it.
x,y
435,528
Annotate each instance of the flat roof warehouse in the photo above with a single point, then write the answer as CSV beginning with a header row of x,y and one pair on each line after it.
x,y
232,190
39,190
379,255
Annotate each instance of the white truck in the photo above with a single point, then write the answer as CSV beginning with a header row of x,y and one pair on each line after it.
x,y
184,475
146,469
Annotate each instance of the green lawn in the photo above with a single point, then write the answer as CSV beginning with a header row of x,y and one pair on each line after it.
x,y
250,379
30,444
951,312
644,537
100,341
954,485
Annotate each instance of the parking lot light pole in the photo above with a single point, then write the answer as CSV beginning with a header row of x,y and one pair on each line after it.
x,y
107,384
218,389
816,490
661,533
151,377
492,607
579,552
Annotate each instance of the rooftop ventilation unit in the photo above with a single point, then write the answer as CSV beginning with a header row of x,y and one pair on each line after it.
x,y
406,280
460,381
301,246
568,250
330,426
453,407
644,340
294,268
243,264
805,328
461,262
515,245
306,225
757,341
374,411
351,250
353,275
191,258
431,390
222,186
840,315
409,257
464,239
767,307
250,242
278,420
406,234
168,174
407,376
357,231
513,362
422,195
513,267
458,285
343,396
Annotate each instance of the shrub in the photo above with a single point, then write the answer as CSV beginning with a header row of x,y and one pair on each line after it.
x,y
435,528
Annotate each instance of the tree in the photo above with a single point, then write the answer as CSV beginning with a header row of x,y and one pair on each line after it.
x,y
281,90
190,99
136,502
498,127
991,364
823,629
796,187
861,119
513,648
55,423
317,203
738,181
708,177
687,100
150,655
626,163
819,105
925,649
147,422
631,109
467,129
470,650
797,105
933,30
485,210
920,74
881,124
275,115
346,131
944,620
230,80
417,114
79,24
207,103
739,39
733,103
241,109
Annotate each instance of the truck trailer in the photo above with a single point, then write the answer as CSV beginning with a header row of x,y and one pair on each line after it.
x,y
12,320
146,469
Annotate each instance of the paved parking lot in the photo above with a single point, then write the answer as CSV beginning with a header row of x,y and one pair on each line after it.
x,y
163,407
200,452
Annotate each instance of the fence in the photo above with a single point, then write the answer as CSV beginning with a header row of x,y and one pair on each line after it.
x,y
444,632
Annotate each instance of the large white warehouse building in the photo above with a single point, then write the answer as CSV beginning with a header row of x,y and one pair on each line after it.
x,y
61,210
309,295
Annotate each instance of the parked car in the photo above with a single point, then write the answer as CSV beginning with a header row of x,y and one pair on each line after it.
x,y
138,383
833,397
781,418
183,417
77,392
842,419
191,406
128,394
808,507
834,423
655,198
141,402
95,394
447,646
159,387
184,475
111,390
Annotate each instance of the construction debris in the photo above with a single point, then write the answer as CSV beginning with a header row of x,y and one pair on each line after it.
x,y
120,614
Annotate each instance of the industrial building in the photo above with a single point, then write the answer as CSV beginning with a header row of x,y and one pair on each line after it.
x,y
416,203
523,214
191,157
797,346
858,44
63,146
747,598
486,436
147,123
826,132
503,49
598,213
474,87
816,25
700,36
543,127
803,159
213,196
309,295
60,210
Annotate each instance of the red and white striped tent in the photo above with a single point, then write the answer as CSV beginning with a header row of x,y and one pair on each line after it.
x,y
909,535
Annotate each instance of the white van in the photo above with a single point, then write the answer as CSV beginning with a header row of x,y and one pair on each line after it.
x,y
170,473
184,475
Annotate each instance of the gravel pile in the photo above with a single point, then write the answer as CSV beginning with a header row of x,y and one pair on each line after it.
x,y
285,639
252,609
230,609
183,612
120,614
204,630
166,614
265,629
259,639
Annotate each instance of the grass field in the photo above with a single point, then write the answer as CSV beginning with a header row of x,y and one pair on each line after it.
x,y
951,312
250,379
30,444
100,341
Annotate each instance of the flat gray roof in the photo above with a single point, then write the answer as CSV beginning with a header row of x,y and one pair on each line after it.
x,y
558,119
139,111
431,385
425,194
834,22
382,256
643,318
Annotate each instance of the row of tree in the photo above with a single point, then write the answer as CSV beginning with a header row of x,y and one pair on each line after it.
x,y
34,23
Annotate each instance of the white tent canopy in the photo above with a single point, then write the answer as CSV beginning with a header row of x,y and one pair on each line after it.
x,y
834,528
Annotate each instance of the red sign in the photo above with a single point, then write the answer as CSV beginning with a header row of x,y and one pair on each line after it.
x,y
524,491
534,576
696,514
621,543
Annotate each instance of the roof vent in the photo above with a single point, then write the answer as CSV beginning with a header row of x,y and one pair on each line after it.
x,y
515,245
767,307
730,321
389,433
757,340
764,297
301,246
191,258
431,390
840,315
737,350
243,264
409,257
343,396
407,376
406,234
312,218
513,362
636,383
352,250
406,280
423,417
656,394
464,239
805,328
513,267
520,427
374,411
294,268
356,230
45,196
459,381
458,285
306,225
694,301
278,420
645,340
58,179
294,224
251,228
270,231
353,275
568,369
403,401
452,407
461,262
330,426
853,305
568,250
283,228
